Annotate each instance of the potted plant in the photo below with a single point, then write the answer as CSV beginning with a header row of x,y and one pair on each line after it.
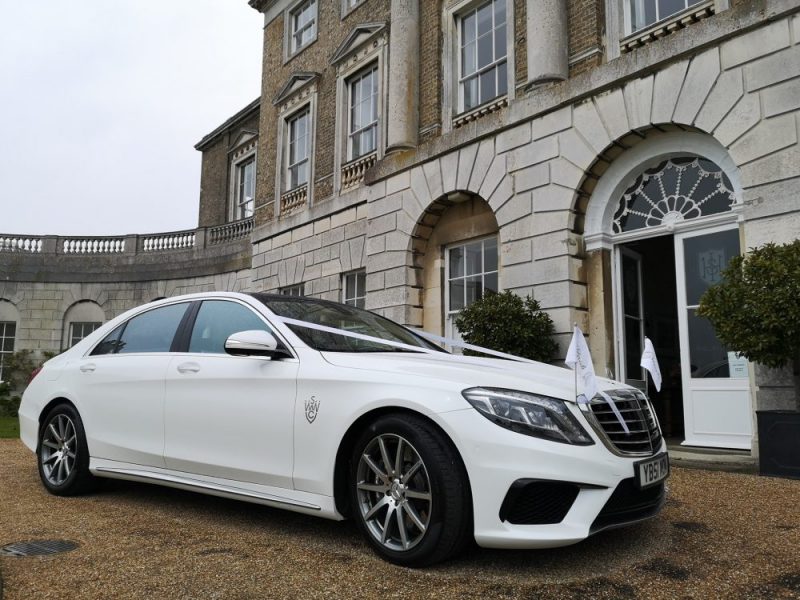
x,y
755,311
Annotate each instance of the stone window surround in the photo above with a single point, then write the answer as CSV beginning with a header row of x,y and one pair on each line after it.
x,y
626,167
305,97
451,59
242,153
288,53
618,29
372,50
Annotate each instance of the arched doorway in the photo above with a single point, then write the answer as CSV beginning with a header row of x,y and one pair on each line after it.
x,y
669,220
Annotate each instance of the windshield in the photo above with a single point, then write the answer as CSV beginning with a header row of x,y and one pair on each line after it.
x,y
341,316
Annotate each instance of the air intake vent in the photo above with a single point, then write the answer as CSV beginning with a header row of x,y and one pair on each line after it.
x,y
643,436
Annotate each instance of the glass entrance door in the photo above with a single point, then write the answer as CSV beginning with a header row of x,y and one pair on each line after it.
x,y
716,385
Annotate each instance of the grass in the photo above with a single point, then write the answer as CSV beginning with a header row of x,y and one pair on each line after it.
x,y
9,427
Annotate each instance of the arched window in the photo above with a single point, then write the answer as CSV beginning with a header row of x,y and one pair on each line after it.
x,y
81,319
9,319
676,190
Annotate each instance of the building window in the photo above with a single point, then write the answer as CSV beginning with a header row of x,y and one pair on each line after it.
x,y
8,332
298,149
482,54
303,20
245,188
354,288
363,113
79,330
293,290
644,13
471,272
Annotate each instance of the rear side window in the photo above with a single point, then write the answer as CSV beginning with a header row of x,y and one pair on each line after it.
x,y
217,320
151,331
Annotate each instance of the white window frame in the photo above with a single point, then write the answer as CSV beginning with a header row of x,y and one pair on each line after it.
x,y
353,299
371,69
290,121
74,337
240,208
290,48
359,58
297,289
450,314
4,337
452,99
494,65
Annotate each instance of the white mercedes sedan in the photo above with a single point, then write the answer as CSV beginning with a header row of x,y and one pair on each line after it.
x,y
334,411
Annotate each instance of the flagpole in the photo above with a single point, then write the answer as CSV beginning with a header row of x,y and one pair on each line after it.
x,y
575,371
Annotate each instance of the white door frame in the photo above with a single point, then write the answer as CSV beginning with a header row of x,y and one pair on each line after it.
x,y
622,374
726,398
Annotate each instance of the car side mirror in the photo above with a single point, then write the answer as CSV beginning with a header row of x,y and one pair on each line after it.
x,y
255,342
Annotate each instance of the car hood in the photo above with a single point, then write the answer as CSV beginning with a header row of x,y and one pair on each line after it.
x,y
470,371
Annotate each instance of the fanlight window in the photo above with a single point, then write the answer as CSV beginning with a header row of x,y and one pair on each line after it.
x,y
677,190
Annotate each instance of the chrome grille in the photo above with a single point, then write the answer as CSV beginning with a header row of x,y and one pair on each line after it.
x,y
644,435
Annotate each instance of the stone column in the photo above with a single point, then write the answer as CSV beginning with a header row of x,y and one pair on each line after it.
x,y
403,75
547,38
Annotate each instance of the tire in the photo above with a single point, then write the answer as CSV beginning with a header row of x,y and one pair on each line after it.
x,y
62,453
420,515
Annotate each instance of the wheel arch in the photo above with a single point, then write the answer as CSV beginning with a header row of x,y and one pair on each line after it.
x,y
52,404
345,449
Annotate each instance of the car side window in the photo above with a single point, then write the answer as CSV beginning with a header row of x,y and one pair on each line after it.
x,y
152,331
109,344
217,320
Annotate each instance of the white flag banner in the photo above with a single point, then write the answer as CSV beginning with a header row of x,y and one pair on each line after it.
x,y
650,362
580,360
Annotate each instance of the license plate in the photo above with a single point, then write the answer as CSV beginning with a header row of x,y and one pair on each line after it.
x,y
652,471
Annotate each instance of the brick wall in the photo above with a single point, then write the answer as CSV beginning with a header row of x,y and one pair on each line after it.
x,y
586,23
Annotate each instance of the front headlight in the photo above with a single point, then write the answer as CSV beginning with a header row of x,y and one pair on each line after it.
x,y
539,416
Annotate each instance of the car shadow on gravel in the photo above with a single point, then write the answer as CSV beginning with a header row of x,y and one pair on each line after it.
x,y
341,542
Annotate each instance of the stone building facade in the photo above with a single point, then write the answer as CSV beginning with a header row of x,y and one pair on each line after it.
x,y
607,157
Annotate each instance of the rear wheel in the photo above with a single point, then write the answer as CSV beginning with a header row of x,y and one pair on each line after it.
x,y
63,455
410,491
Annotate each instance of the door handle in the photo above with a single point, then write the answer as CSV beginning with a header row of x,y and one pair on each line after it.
x,y
88,368
189,367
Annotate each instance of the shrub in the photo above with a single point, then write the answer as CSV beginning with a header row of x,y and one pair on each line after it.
x,y
17,369
507,323
755,310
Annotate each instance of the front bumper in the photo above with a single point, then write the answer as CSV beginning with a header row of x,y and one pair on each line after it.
x,y
496,458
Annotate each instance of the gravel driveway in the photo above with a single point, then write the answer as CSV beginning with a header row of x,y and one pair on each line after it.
x,y
721,535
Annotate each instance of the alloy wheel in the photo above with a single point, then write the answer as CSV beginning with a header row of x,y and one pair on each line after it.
x,y
59,449
394,492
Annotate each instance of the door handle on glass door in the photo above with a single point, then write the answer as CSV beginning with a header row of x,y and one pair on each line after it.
x,y
189,367
88,368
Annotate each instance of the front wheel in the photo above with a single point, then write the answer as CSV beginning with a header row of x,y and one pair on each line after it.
x,y
62,453
409,491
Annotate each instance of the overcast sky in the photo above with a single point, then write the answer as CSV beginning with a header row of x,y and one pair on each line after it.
x,y
102,102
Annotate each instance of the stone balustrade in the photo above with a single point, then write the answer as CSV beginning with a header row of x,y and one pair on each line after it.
x,y
294,199
190,239
353,172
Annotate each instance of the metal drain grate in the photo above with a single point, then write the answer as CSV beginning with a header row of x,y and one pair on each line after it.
x,y
37,548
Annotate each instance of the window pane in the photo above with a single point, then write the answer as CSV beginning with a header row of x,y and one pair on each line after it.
x,y
707,355
485,51
109,343
490,282
490,254
500,42
152,331
456,294
457,262
488,88
499,12
474,254
361,284
468,28
474,289
667,8
502,79
705,257
470,93
468,64
484,19
217,320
